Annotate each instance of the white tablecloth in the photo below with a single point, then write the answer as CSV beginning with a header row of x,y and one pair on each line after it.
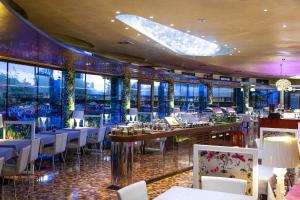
x,y
181,193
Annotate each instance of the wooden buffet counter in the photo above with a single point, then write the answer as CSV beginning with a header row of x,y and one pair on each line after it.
x,y
122,147
186,132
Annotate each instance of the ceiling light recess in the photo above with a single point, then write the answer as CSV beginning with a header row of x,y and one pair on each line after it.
x,y
179,42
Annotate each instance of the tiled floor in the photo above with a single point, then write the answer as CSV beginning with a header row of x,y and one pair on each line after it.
x,y
89,178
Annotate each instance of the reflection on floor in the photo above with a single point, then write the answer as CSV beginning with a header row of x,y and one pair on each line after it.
x,y
89,178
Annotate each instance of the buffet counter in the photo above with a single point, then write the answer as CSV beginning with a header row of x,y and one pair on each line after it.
x,y
122,149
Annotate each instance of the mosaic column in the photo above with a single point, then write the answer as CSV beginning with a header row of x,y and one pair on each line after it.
x,y
171,96
281,98
126,96
209,93
69,89
246,89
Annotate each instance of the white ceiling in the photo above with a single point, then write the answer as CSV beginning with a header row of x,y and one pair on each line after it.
x,y
263,38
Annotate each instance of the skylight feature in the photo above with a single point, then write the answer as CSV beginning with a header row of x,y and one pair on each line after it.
x,y
180,42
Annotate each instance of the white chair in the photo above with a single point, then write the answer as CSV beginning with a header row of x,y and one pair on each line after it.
x,y
135,191
58,148
222,184
80,143
2,160
34,152
19,167
99,138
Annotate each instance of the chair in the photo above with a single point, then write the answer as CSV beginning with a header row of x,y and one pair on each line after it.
x,y
135,191
2,160
58,148
34,152
99,138
20,167
222,184
80,143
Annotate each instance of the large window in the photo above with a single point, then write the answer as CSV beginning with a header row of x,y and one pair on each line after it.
x,y
161,99
50,96
189,97
22,92
3,87
145,98
133,93
93,94
261,98
29,92
223,96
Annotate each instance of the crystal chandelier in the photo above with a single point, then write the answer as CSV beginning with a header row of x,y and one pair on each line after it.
x,y
283,84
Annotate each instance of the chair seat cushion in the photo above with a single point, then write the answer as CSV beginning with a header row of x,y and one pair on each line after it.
x,y
91,140
73,145
48,150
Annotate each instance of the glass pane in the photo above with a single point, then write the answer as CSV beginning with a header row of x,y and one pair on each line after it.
x,y
133,93
145,98
22,92
80,91
3,85
49,96
95,94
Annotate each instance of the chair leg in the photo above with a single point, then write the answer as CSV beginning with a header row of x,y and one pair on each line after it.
x,y
40,163
62,156
53,165
15,187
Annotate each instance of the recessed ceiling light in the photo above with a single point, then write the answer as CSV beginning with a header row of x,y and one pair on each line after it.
x,y
138,34
202,36
126,28
112,20
225,45
118,12
151,17
171,24
188,31
284,26
265,10
234,48
239,51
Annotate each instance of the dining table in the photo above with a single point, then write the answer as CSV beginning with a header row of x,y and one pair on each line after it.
x,y
182,193
7,153
17,145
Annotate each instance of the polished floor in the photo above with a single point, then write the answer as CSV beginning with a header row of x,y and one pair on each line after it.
x,y
90,176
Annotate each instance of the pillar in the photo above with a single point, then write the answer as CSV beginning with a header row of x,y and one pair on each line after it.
x,y
69,89
209,93
126,95
246,89
281,97
171,97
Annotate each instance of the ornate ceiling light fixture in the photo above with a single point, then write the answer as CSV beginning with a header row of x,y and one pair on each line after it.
x,y
283,84
179,42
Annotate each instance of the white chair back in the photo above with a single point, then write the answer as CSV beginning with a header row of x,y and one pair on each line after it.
x,y
60,143
222,184
1,164
135,191
23,159
35,148
82,137
101,134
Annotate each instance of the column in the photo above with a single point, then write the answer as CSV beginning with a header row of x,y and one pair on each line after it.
x,y
246,89
126,95
171,97
281,98
210,93
69,89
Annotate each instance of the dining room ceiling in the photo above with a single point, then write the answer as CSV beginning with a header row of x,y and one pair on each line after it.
x,y
261,33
